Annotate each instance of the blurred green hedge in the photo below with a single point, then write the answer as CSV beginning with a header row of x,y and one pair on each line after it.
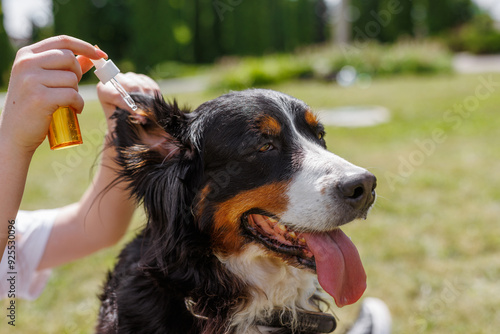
x,y
479,36
150,32
324,63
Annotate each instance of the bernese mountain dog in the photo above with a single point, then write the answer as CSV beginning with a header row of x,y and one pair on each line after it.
x,y
243,204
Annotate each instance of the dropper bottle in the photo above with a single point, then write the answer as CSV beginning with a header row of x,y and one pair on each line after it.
x,y
64,130
106,71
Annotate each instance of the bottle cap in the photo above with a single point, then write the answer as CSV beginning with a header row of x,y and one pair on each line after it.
x,y
105,70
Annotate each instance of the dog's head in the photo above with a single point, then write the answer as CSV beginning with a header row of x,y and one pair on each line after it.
x,y
247,168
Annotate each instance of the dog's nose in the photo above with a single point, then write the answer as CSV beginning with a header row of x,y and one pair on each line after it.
x,y
358,189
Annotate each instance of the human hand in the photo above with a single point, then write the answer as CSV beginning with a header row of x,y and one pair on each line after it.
x,y
44,77
133,83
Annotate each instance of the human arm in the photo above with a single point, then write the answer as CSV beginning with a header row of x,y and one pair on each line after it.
x,y
44,77
102,215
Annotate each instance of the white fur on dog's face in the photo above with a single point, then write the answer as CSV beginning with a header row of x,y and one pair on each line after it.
x,y
297,183
314,205
313,202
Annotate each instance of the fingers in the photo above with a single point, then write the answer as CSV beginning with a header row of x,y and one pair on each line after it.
x,y
56,53
133,83
77,46
61,60
44,77
149,86
68,97
53,70
50,99
110,98
74,100
138,83
60,79
54,48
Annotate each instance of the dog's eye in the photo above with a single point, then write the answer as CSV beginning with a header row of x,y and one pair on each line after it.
x,y
266,147
321,135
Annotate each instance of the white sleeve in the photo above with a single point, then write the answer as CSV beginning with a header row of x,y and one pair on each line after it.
x,y
20,278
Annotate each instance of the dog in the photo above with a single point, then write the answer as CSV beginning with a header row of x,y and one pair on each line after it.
x,y
243,204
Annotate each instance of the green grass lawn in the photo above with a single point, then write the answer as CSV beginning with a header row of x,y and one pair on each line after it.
x,y
430,246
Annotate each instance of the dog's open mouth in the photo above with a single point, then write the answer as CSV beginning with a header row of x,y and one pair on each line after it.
x,y
331,254
279,238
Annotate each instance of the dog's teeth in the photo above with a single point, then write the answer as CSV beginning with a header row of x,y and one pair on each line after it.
x,y
302,240
282,227
293,235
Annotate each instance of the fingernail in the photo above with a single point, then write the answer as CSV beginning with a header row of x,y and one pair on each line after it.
x,y
101,53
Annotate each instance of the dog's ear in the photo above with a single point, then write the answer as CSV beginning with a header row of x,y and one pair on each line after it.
x,y
154,133
150,140
163,169
155,153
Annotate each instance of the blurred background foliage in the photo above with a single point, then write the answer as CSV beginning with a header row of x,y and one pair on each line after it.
x,y
171,38
147,33
325,63
6,55
415,18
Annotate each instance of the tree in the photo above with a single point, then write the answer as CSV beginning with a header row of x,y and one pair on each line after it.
x,y
149,32
342,28
388,20
106,25
444,14
74,18
401,21
6,55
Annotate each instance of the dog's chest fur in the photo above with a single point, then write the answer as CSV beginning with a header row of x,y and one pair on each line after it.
x,y
272,285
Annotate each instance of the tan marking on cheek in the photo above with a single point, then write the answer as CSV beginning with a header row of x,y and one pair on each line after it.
x,y
311,119
227,235
269,126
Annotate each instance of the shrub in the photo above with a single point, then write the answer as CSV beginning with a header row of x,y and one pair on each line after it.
x,y
252,71
174,69
405,57
479,36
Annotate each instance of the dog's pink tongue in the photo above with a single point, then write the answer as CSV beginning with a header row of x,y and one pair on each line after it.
x,y
338,265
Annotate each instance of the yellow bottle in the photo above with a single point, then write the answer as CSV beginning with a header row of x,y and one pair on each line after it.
x,y
64,130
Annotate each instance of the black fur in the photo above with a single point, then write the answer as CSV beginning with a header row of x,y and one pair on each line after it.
x,y
171,258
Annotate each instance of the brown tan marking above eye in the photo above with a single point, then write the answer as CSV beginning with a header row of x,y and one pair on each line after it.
x,y
311,119
269,125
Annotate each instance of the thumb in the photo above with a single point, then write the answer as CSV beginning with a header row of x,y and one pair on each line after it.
x,y
85,63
